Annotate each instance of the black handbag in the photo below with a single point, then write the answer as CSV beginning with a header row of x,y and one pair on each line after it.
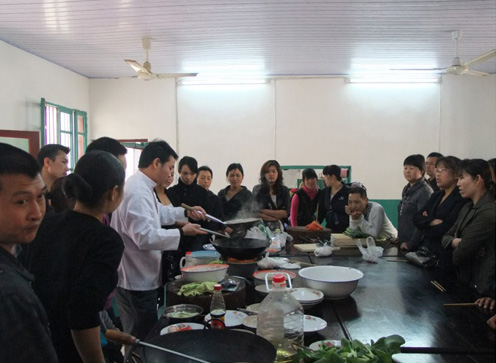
x,y
423,257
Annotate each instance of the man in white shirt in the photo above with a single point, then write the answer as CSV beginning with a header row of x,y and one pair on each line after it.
x,y
138,220
368,217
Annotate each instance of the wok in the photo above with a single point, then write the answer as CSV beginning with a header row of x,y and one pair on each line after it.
x,y
241,225
214,346
241,248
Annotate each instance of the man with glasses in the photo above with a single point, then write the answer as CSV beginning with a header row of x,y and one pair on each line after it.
x,y
368,217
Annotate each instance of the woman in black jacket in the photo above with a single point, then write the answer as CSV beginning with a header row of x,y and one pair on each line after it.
x,y
271,196
440,212
236,199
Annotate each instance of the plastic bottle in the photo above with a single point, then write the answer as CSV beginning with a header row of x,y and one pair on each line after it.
x,y
280,320
217,308
187,260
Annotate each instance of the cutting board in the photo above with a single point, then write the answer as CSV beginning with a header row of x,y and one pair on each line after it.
x,y
346,244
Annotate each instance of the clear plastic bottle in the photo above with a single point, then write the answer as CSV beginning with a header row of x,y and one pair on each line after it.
x,y
280,320
217,308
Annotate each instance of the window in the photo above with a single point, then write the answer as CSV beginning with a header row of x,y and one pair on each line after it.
x,y
65,126
134,148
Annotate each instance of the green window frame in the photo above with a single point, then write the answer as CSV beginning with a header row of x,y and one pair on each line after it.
x,y
65,126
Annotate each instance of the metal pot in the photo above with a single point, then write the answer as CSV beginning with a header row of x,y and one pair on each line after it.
x,y
212,346
241,248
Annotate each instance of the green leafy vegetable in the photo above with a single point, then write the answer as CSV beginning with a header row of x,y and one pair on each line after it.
x,y
197,288
353,351
354,233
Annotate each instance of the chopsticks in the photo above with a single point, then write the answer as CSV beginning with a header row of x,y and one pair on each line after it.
x,y
397,260
438,286
210,217
460,304
213,232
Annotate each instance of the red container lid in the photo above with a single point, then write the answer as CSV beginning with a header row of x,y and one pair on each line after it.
x,y
278,278
217,287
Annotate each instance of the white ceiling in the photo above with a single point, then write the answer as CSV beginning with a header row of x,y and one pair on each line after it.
x,y
93,37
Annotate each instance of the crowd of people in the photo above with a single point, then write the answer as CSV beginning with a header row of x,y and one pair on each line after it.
x,y
70,244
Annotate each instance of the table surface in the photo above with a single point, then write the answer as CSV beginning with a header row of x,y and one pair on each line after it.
x,y
398,298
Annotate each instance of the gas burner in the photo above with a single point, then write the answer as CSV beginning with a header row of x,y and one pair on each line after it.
x,y
230,260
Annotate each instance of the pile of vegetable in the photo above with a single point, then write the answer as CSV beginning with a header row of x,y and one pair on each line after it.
x,y
314,226
353,351
354,233
197,288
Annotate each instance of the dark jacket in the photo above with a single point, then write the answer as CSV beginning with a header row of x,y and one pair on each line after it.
x,y
74,259
413,198
447,211
433,184
262,199
475,226
334,211
192,195
307,207
24,332
240,202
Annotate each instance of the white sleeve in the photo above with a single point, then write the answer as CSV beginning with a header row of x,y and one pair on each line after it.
x,y
170,215
137,220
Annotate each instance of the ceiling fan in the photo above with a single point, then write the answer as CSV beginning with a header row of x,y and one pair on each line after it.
x,y
145,70
456,67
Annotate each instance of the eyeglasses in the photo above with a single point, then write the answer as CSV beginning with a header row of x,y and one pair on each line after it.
x,y
441,170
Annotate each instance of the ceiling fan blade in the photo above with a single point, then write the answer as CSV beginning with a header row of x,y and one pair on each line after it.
x,y
136,66
471,72
482,58
175,75
418,69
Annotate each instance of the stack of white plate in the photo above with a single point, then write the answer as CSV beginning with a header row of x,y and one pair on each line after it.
x,y
307,297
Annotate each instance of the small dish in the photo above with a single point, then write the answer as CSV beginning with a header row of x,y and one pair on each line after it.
x,y
181,327
253,307
313,324
329,343
232,318
306,295
251,321
262,290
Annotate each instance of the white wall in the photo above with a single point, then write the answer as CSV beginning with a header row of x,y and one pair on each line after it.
x,y
305,122
322,121
133,109
468,117
25,79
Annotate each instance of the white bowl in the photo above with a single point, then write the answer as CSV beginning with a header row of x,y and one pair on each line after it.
x,y
336,282
201,273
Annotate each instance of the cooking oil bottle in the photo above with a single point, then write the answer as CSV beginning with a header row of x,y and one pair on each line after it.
x,y
280,320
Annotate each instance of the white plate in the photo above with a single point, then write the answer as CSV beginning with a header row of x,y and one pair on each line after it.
x,y
310,323
209,247
331,343
193,326
232,318
253,307
251,321
313,324
306,295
